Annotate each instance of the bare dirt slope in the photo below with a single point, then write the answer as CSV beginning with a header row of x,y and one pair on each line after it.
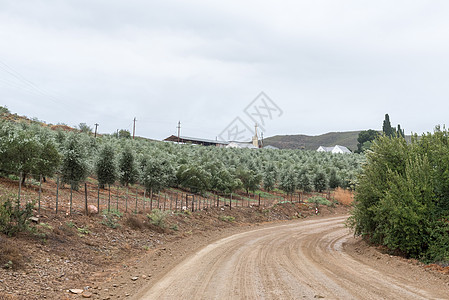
x,y
304,259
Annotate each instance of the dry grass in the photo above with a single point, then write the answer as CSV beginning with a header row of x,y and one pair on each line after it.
x,y
135,222
343,196
10,255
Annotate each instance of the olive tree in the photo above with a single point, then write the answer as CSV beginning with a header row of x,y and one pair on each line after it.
x,y
105,166
127,167
74,162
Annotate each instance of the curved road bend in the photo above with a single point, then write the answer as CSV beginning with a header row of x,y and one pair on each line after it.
x,y
299,260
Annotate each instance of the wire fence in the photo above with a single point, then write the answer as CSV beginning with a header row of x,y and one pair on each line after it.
x,y
52,195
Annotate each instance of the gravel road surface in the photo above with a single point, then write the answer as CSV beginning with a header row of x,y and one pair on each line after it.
x,y
299,260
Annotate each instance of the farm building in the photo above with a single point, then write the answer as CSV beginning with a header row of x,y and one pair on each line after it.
x,y
255,144
335,149
196,141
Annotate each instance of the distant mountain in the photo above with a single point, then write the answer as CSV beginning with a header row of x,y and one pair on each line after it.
x,y
307,142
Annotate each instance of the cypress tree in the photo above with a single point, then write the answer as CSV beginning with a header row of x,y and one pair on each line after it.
x,y
386,127
401,131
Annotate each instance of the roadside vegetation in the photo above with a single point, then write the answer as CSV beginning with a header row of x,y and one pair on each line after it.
x,y
32,150
402,196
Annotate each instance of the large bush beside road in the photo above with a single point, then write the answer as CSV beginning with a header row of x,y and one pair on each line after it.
x,y
402,196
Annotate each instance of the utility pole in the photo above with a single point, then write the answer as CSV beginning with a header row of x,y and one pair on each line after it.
x,y
179,130
261,136
134,127
96,125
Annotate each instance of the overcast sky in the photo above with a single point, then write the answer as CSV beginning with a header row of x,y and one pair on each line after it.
x,y
326,65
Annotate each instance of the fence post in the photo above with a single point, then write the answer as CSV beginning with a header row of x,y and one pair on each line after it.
x,y
71,194
116,202
40,192
259,200
20,191
98,198
186,202
57,193
165,200
109,198
193,203
126,201
137,189
176,203
230,203
85,198
170,199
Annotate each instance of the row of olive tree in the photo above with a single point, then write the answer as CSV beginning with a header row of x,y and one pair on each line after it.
x,y
33,149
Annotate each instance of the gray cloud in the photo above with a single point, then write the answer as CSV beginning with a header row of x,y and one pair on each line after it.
x,y
330,65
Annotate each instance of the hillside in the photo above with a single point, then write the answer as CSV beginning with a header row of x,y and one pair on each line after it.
x,y
6,115
307,142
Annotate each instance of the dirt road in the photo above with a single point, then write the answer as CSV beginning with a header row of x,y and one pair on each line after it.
x,y
300,260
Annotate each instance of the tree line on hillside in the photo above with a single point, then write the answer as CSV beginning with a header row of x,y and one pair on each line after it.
x,y
34,150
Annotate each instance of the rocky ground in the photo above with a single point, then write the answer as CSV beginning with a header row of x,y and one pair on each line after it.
x,y
76,256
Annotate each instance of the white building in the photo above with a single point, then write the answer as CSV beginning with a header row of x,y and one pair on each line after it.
x,y
271,147
241,145
335,149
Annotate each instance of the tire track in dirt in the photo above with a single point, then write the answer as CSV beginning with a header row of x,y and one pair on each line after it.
x,y
299,260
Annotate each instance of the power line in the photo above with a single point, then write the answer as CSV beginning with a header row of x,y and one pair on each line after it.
x,y
22,83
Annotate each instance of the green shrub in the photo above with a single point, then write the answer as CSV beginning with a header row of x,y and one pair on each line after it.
x,y
111,218
110,221
114,212
227,218
402,197
70,224
157,217
13,177
14,220
283,202
320,200
83,230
